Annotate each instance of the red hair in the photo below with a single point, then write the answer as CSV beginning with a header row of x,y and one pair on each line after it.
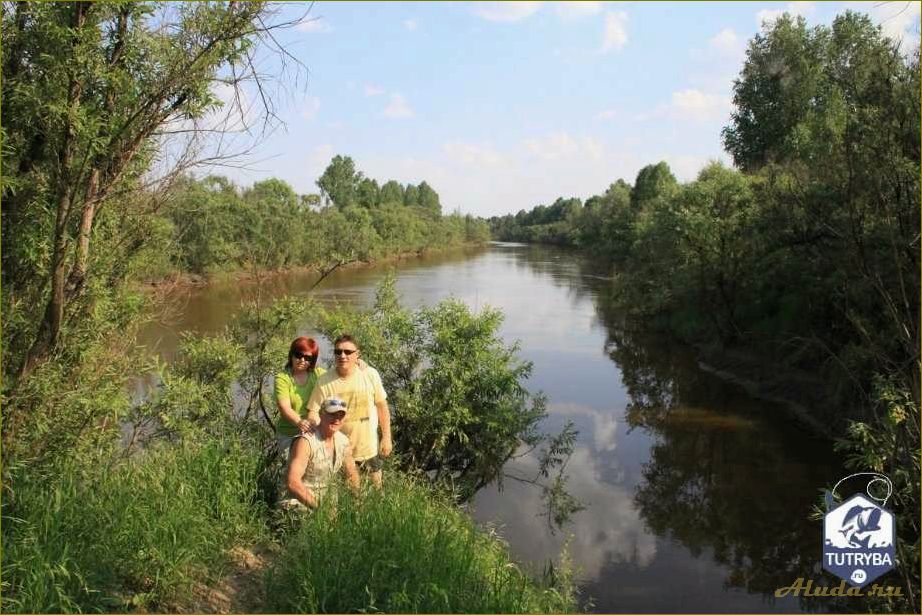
x,y
304,345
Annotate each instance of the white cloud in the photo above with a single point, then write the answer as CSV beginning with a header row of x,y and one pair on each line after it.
x,y
615,36
899,21
608,114
768,16
577,8
315,24
690,105
727,43
593,147
610,529
604,423
506,11
373,90
696,105
685,167
398,108
561,145
310,107
319,159
552,147
472,154
410,24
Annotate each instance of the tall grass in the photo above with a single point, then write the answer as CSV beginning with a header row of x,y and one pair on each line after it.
x,y
403,550
134,536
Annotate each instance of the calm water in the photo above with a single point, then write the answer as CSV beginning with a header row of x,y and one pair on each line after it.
x,y
696,495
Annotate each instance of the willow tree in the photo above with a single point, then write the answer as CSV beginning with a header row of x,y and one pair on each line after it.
x,y
89,92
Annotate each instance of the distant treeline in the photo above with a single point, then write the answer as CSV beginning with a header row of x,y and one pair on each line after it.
x,y
807,256
810,249
211,225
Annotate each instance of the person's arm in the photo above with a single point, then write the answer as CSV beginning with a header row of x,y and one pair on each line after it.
x,y
300,459
384,416
352,472
384,424
313,408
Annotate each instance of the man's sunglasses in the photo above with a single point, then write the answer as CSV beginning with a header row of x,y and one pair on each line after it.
x,y
345,351
305,356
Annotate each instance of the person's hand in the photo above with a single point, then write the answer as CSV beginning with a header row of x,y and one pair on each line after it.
x,y
305,426
386,446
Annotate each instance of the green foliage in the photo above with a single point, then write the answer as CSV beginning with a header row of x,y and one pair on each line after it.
x,y
889,444
404,549
339,182
212,226
654,181
455,388
131,535
87,91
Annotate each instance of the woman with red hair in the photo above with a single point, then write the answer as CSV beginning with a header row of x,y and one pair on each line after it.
x,y
293,388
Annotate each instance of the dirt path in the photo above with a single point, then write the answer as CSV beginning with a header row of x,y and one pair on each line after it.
x,y
241,590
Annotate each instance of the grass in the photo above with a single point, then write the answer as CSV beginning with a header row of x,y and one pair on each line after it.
x,y
142,534
136,536
405,550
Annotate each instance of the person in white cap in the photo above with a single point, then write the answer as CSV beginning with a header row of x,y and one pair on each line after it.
x,y
318,456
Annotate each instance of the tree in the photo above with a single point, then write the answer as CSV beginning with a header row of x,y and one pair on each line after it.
x,y
367,193
391,192
429,200
89,91
781,83
340,181
653,181
411,196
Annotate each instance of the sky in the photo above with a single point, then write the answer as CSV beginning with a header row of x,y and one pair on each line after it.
x,y
502,106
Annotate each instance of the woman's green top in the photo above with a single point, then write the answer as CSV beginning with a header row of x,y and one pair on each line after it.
x,y
296,394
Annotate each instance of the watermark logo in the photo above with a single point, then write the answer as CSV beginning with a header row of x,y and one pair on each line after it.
x,y
859,539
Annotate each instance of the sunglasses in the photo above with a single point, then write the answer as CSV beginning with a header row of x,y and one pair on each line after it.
x,y
335,403
306,357
344,351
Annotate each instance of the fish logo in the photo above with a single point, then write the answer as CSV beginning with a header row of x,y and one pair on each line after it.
x,y
859,541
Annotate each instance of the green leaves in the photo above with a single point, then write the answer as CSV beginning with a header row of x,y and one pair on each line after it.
x,y
456,389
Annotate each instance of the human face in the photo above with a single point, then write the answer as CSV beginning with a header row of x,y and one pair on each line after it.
x,y
346,354
331,422
302,361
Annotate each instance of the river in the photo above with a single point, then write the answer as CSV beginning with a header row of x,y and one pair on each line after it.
x,y
696,495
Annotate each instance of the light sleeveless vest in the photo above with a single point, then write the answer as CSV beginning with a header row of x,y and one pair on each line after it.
x,y
323,466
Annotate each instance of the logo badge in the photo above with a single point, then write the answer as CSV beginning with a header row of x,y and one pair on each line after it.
x,y
859,541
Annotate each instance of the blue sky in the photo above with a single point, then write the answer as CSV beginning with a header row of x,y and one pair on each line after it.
x,y
502,106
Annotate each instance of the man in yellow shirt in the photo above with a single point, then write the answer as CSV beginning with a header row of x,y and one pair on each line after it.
x,y
368,413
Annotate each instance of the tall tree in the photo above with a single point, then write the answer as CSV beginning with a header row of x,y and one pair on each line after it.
x,y
340,181
367,193
654,180
391,192
429,199
89,91
411,196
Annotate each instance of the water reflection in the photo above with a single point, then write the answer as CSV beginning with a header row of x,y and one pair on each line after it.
x,y
697,496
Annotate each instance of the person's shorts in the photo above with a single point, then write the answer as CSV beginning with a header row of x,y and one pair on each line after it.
x,y
372,464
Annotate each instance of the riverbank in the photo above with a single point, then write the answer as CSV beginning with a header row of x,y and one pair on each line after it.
x,y
185,529
179,280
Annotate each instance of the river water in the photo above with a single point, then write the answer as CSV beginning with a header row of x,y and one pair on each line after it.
x,y
696,496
